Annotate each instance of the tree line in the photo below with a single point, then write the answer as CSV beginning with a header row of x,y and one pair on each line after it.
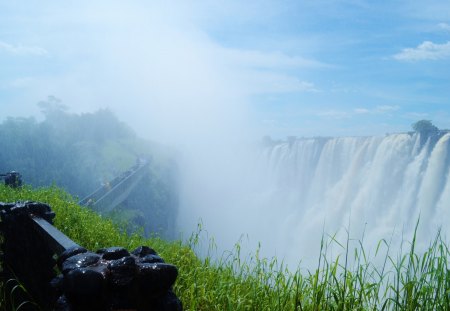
x,y
80,152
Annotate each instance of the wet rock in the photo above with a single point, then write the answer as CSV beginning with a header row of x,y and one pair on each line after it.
x,y
142,251
85,286
151,259
115,279
79,261
72,251
41,209
62,304
101,268
57,284
156,278
122,271
168,302
113,253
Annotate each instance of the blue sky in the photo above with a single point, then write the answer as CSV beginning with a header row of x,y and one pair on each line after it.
x,y
276,68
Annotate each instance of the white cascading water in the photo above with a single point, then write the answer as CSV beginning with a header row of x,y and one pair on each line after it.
x,y
376,187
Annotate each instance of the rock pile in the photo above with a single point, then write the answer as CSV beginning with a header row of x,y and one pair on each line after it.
x,y
110,279
114,279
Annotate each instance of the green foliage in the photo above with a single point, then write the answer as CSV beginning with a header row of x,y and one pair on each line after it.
x,y
73,151
403,281
424,127
80,152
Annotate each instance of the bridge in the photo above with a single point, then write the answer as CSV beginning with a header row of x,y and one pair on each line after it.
x,y
114,192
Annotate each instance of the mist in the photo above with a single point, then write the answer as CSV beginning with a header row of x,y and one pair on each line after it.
x,y
158,72
176,76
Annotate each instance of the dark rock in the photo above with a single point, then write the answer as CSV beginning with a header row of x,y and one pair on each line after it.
x,y
57,284
79,261
41,209
114,279
156,278
142,251
85,287
151,259
69,253
62,304
168,302
113,253
122,271
101,251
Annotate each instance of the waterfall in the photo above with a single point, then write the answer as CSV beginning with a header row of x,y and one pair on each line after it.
x,y
291,193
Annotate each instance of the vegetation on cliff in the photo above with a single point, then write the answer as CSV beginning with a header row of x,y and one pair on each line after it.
x,y
80,152
425,127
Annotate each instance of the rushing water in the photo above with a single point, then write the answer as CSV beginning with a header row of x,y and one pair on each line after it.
x,y
373,187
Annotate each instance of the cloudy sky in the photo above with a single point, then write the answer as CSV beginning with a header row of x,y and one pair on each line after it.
x,y
304,68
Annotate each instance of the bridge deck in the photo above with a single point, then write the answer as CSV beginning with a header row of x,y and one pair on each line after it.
x,y
117,190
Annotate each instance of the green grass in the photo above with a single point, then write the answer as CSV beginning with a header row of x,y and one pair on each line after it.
x,y
405,280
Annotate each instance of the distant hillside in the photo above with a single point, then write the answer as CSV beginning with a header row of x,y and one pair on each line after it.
x,y
80,152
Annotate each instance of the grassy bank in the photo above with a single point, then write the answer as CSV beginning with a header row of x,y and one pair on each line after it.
x,y
406,281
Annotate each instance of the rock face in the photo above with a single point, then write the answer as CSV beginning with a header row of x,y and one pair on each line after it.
x,y
114,279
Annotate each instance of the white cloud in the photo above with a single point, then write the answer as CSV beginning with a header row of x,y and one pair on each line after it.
x,y
425,51
334,114
270,60
357,112
361,111
386,108
269,122
261,82
434,10
416,115
23,82
444,26
22,49
263,72
377,110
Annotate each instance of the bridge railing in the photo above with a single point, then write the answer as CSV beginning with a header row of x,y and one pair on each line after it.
x,y
117,190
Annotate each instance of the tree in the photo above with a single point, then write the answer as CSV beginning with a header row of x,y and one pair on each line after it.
x,y
425,127
52,106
